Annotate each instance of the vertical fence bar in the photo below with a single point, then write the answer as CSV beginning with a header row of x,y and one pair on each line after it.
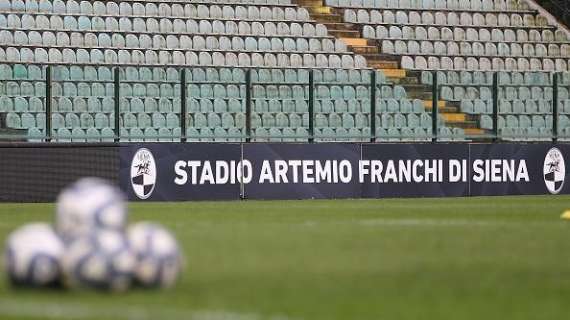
x,y
555,107
434,103
183,112
48,104
311,106
495,97
117,85
373,106
248,89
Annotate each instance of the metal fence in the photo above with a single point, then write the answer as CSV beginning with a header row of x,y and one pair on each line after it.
x,y
362,122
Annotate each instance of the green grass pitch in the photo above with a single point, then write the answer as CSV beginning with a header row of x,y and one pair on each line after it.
x,y
464,258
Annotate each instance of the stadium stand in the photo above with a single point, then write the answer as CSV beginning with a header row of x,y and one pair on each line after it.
x,y
298,65
469,41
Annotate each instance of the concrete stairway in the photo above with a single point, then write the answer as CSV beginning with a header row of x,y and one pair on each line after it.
x,y
350,34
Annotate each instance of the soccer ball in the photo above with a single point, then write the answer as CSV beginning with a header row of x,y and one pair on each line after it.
x,y
101,260
87,205
33,256
158,256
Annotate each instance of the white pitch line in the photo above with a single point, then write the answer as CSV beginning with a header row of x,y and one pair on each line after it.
x,y
431,222
46,310
428,222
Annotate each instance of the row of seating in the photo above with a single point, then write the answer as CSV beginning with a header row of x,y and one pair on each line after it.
x,y
508,93
249,13
451,18
161,26
235,134
489,49
148,134
432,62
79,6
86,89
531,134
167,8
468,104
224,120
392,32
209,91
165,75
196,43
477,5
88,120
480,106
61,36
486,78
226,75
523,121
449,90
179,57
107,104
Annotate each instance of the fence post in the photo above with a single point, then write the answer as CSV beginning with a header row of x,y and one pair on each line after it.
x,y
373,106
48,104
434,104
555,108
311,106
117,104
248,89
183,112
495,97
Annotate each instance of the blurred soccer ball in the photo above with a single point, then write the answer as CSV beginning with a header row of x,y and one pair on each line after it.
x,y
33,256
158,255
88,205
101,260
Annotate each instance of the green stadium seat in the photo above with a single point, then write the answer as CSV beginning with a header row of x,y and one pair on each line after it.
x,y
35,135
28,121
78,135
165,135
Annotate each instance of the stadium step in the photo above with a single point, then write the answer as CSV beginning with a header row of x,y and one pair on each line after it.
x,y
355,42
467,124
409,81
363,49
441,104
454,117
417,92
442,107
379,56
474,131
325,17
341,26
310,3
383,65
320,10
394,73
340,33
350,34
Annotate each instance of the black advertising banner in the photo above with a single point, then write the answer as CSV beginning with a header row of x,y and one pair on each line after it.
x,y
518,169
201,171
302,171
37,172
180,171
414,170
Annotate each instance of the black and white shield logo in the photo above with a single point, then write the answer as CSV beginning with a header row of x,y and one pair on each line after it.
x,y
143,173
554,170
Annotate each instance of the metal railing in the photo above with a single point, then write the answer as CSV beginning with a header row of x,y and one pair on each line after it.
x,y
311,85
